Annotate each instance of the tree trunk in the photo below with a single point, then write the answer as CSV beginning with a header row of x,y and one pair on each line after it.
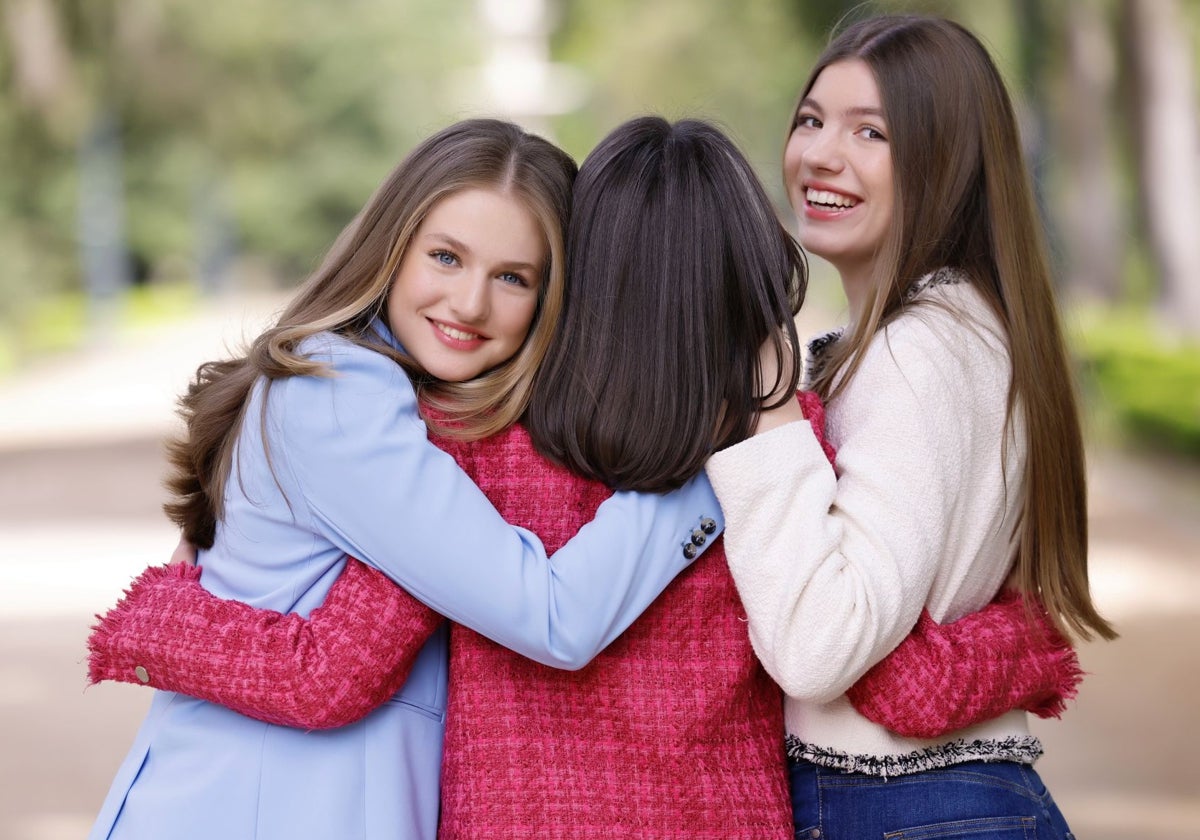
x,y
1168,148
1091,223
40,60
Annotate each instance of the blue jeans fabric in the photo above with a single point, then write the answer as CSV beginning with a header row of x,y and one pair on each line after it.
x,y
977,800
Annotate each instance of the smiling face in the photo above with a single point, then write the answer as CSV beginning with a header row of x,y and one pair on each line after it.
x,y
466,290
838,168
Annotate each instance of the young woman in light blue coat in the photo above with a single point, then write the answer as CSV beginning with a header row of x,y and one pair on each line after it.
x,y
443,292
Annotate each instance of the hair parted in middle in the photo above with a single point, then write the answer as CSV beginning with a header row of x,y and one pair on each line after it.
x,y
963,199
679,271
350,290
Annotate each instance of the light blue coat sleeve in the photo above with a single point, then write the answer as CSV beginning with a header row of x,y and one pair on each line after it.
x,y
352,455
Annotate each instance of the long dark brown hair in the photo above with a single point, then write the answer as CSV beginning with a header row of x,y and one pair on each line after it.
x,y
349,290
963,200
679,271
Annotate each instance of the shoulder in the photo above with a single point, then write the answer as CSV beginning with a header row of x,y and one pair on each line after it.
x,y
349,365
944,323
946,331
359,389
340,350
941,363
946,308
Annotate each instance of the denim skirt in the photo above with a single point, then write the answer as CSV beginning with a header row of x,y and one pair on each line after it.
x,y
976,800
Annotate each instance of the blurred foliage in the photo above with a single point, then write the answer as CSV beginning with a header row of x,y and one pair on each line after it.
x,y
1140,379
683,58
251,131
280,117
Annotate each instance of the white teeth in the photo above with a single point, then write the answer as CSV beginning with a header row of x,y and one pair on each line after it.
x,y
458,335
827,197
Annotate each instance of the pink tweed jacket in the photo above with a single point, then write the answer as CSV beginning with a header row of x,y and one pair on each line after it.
x,y
673,731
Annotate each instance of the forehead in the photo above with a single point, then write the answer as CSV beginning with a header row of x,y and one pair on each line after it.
x,y
491,221
473,203
847,83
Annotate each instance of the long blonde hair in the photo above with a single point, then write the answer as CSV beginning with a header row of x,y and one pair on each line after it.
x,y
963,200
349,291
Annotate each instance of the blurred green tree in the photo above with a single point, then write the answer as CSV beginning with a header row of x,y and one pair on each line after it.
x,y
257,127
266,123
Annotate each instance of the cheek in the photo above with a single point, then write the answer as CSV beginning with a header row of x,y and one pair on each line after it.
x,y
792,154
407,289
518,319
886,193
397,304
792,186
883,176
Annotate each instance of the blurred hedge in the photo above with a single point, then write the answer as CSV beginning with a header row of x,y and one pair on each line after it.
x,y
1141,380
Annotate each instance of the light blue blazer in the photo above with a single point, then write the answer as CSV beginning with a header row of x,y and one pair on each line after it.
x,y
352,472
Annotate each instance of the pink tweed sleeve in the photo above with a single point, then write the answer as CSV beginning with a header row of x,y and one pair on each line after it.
x,y
347,658
814,413
945,677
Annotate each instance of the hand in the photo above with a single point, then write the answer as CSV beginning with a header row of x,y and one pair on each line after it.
x,y
184,554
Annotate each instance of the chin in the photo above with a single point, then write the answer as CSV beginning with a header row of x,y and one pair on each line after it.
x,y
453,374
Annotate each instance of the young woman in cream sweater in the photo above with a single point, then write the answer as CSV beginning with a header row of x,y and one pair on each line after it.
x,y
951,406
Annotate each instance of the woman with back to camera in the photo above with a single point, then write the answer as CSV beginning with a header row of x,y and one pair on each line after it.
x,y
674,730
951,405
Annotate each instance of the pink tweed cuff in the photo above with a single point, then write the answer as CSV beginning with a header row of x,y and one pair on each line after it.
x,y
350,656
945,677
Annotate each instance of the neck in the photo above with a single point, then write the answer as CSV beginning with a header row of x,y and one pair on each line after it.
x,y
856,285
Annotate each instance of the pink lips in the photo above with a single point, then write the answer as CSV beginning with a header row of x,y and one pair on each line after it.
x,y
456,342
821,213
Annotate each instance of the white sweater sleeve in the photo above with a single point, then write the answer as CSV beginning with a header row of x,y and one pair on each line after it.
x,y
834,572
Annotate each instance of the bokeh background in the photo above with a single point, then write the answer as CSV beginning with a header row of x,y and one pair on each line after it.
x,y
170,169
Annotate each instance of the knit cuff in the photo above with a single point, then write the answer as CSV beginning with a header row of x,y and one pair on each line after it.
x,y
946,677
347,658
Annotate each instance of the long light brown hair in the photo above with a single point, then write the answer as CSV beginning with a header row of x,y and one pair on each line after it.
x,y
963,200
349,291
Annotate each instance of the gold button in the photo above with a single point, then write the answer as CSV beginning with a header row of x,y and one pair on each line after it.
x,y
816,832
142,674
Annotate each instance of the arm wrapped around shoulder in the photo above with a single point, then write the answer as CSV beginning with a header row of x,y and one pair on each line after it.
x,y
347,658
946,677
814,413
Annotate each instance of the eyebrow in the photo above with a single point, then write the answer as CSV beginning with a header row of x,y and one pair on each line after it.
x,y
447,239
858,111
455,244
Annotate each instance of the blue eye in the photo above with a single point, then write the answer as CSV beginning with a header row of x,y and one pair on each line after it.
x,y
444,257
513,279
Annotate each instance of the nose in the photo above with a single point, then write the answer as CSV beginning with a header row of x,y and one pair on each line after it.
x,y
824,152
470,301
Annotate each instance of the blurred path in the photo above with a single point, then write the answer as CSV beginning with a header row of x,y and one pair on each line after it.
x,y
80,471
80,466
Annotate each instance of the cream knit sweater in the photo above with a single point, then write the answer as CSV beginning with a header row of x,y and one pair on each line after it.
x,y
834,571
